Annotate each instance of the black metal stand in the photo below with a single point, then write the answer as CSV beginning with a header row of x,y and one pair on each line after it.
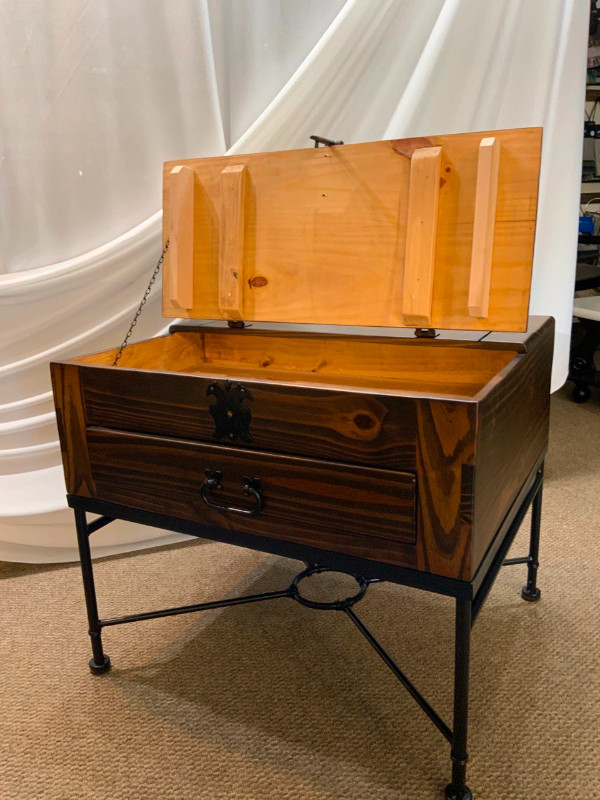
x,y
458,789
100,662
530,591
469,595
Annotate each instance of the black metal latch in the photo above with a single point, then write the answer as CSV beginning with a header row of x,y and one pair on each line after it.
x,y
231,416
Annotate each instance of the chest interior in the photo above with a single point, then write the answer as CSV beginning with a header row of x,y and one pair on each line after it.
x,y
357,362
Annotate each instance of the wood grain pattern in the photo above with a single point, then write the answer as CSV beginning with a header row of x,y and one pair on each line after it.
x,y
512,434
421,233
181,237
231,250
364,361
486,194
161,353
329,361
377,431
445,477
325,233
70,418
149,428
331,505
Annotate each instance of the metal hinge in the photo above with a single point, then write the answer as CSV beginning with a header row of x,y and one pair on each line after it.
x,y
426,333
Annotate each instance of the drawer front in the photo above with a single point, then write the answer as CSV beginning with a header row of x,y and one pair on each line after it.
x,y
353,427
334,506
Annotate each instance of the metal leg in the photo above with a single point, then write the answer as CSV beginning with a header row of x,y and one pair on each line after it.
x,y
458,790
530,592
100,661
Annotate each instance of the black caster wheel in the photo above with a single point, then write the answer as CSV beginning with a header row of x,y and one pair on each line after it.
x,y
452,794
532,596
581,393
98,669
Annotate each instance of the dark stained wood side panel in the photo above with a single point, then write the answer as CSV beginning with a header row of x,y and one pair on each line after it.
x,y
512,435
70,418
338,507
446,436
353,427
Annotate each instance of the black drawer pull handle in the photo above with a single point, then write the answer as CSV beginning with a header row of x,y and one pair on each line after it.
x,y
251,487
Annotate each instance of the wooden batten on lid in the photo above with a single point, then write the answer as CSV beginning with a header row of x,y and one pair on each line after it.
x,y
484,222
231,243
421,235
180,284
429,232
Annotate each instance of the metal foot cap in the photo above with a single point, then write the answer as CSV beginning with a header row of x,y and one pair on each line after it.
x,y
98,669
461,794
531,595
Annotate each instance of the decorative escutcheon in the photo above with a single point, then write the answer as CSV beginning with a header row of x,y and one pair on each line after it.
x,y
251,487
231,416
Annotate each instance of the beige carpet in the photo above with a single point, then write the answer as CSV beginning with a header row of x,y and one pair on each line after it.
x,y
275,701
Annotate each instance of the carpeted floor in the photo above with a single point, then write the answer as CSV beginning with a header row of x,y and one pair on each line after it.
x,y
275,701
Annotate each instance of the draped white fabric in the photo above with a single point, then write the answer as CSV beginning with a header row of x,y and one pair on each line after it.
x,y
95,96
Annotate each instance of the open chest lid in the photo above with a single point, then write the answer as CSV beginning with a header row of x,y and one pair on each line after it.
x,y
430,232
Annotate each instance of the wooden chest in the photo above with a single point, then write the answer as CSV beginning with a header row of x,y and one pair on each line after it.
x,y
404,440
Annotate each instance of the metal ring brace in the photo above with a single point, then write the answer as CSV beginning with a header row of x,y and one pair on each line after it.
x,y
334,605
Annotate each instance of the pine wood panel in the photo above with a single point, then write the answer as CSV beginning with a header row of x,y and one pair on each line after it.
x,y
325,232
167,353
313,359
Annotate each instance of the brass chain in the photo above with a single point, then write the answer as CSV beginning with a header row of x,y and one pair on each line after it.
x,y
141,305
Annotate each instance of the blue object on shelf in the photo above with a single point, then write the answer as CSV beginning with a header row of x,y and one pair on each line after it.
x,y
586,224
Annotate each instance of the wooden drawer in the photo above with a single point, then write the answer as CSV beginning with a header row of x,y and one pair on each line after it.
x,y
366,511
354,427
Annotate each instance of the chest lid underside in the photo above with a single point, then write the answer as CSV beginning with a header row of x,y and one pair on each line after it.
x,y
427,232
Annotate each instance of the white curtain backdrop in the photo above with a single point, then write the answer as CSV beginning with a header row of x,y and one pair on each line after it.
x,y
95,96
